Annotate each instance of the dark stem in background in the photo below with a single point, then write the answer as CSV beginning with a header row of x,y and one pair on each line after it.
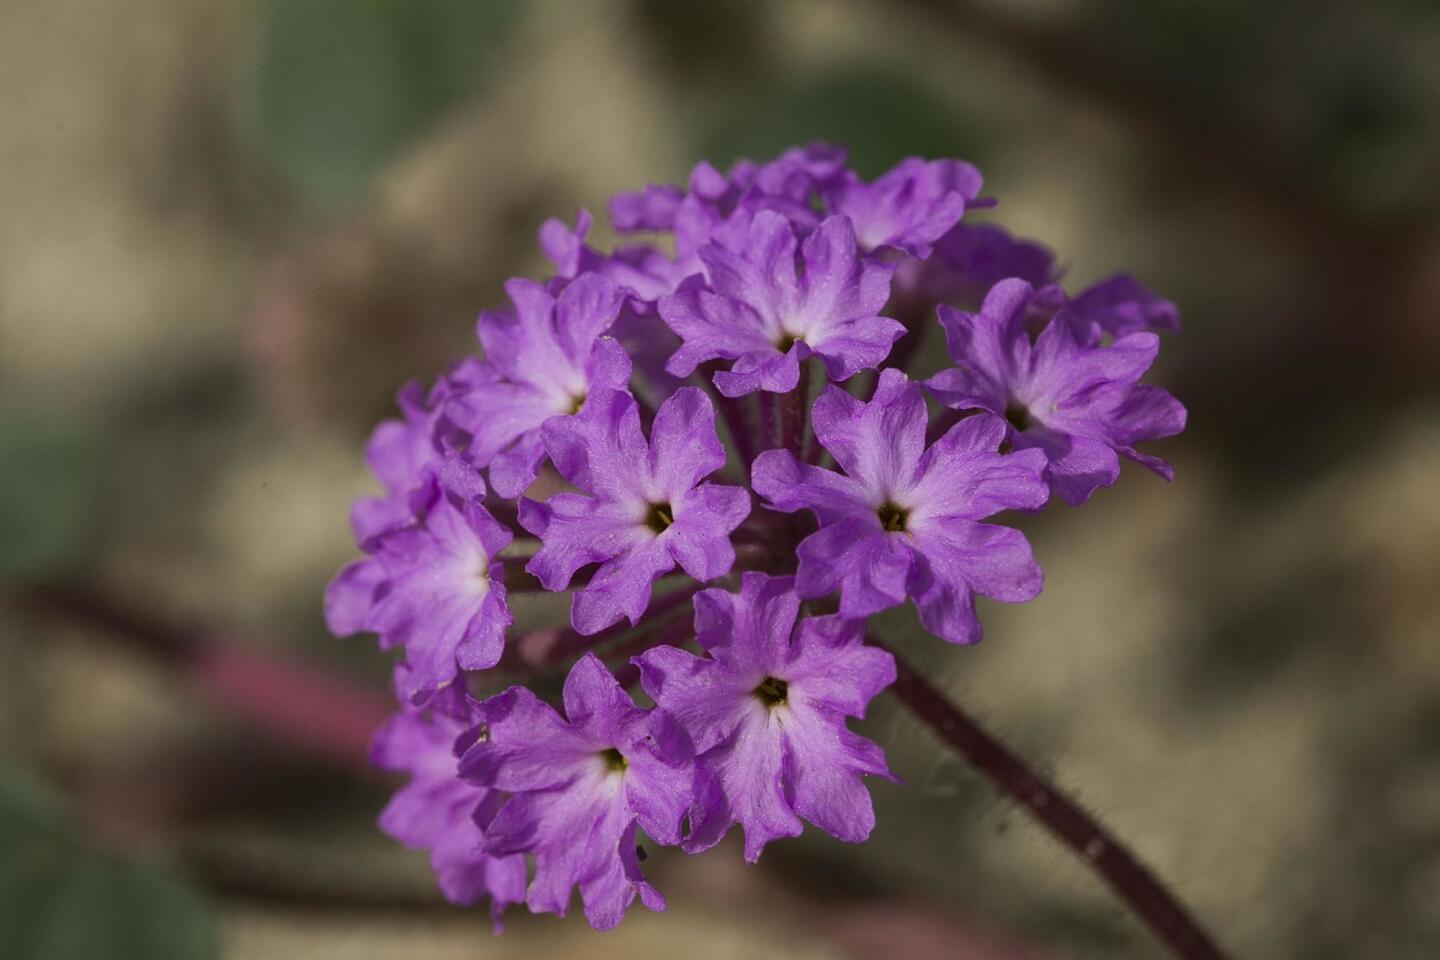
x,y
737,422
647,410
302,705
794,408
539,649
673,633
1078,830
506,513
914,312
771,432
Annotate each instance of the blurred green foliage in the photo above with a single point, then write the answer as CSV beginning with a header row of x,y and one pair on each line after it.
x,y
48,475
342,85
878,111
61,901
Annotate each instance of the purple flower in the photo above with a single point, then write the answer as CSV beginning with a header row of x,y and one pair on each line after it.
x,y
398,454
766,711
1077,402
908,207
545,358
414,457
641,271
768,312
439,812
972,258
1120,305
757,268
581,785
643,510
903,520
717,207
434,588
651,209
798,178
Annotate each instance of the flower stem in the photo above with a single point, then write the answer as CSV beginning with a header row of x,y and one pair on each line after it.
x,y
771,432
1121,870
737,422
793,408
673,632
538,649
914,313
301,705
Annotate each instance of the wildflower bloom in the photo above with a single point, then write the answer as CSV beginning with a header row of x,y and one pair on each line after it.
x,y
644,508
650,389
910,206
434,588
904,520
580,786
766,710
767,312
1119,306
544,360
643,273
439,812
399,454
1064,394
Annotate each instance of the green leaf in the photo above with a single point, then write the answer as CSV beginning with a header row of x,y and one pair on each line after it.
x,y
115,910
58,901
47,481
31,878
29,810
36,854
341,85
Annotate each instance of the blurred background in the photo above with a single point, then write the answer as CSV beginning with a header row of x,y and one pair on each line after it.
x,y
230,229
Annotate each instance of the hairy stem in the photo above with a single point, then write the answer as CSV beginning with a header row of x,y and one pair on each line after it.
x,y
545,648
1120,869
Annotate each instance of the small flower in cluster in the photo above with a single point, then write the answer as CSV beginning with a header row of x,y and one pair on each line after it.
x,y
765,708
709,441
1064,393
439,812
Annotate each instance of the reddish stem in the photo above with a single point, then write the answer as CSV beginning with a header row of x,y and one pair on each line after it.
x,y
543,648
296,703
676,631
1121,870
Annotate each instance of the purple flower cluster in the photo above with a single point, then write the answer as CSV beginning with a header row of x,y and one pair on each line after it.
x,y
708,437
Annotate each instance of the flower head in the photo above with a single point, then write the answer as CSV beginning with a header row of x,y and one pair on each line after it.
x,y
602,386
1077,402
766,710
580,786
903,519
644,508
